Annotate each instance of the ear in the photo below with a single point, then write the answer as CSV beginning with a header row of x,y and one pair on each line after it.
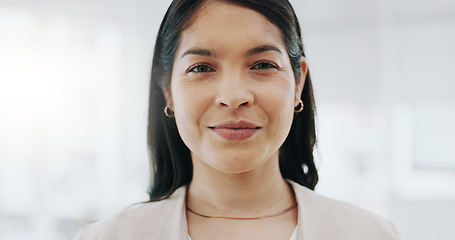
x,y
168,97
300,84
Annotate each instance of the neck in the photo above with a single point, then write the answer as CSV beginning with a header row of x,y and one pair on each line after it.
x,y
257,192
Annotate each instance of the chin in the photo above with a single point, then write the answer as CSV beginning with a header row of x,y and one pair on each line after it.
x,y
236,166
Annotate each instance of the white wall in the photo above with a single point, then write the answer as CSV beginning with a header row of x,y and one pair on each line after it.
x,y
73,102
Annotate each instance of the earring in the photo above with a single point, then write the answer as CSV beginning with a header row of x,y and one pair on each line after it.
x,y
168,112
300,108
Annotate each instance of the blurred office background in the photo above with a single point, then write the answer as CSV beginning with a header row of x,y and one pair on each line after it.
x,y
73,101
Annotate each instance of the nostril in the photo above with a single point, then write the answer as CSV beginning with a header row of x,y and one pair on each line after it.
x,y
234,98
244,104
234,104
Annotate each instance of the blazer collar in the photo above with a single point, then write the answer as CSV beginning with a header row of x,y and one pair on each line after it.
x,y
178,226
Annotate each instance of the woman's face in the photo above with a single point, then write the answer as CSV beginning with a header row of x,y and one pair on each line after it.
x,y
232,89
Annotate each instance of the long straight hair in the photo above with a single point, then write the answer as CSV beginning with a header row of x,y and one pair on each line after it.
x,y
170,158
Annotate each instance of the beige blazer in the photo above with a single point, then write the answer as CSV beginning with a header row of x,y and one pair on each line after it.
x,y
319,218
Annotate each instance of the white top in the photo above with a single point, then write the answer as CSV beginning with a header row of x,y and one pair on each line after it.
x,y
294,234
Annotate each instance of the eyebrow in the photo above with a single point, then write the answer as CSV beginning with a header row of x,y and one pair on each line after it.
x,y
262,49
253,51
198,51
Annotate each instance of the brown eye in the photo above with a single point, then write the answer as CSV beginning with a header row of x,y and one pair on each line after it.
x,y
264,65
201,68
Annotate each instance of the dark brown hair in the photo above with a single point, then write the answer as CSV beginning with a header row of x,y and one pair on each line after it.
x,y
170,158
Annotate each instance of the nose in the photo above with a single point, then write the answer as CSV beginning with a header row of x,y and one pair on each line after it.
x,y
234,92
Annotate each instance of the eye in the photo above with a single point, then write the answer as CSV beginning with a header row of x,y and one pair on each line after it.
x,y
264,65
201,68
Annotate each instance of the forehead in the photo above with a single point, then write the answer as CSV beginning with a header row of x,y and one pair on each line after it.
x,y
218,24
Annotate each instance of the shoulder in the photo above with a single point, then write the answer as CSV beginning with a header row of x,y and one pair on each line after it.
x,y
326,218
141,221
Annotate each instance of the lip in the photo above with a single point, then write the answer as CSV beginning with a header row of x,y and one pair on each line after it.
x,y
236,130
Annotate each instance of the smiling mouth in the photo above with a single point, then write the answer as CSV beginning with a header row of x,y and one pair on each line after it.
x,y
236,131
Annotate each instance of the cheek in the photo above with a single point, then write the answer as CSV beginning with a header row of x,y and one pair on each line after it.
x,y
279,106
189,108
280,96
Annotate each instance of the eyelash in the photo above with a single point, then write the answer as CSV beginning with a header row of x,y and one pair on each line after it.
x,y
193,68
267,63
208,68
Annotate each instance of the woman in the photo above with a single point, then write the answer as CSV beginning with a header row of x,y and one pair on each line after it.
x,y
231,133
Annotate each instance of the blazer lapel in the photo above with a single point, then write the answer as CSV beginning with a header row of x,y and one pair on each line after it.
x,y
307,229
174,222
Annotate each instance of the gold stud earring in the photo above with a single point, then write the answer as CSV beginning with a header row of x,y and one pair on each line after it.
x,y
168,112
300,108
